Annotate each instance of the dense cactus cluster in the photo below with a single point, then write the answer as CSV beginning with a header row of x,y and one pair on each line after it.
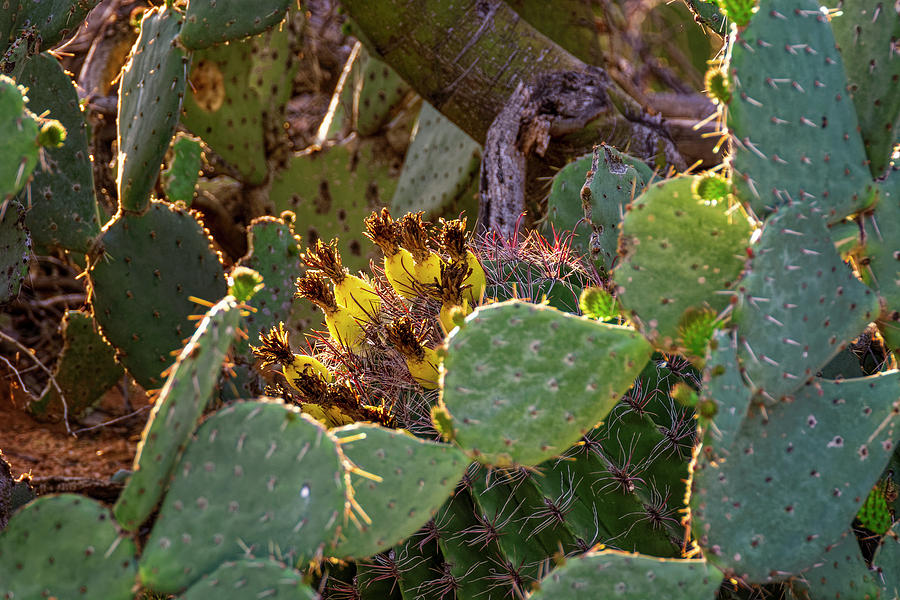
x,y
682,386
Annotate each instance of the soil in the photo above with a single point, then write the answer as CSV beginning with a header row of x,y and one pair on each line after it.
x,y
45,449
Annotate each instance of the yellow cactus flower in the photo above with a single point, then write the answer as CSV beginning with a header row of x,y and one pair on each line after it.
x,y
398,262
414,237
452,242
275,348
423,362
344,327
350,291
450,290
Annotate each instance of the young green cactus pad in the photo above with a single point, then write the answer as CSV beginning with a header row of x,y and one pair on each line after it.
x,y
769,501
793,126
867,32
87,368
184,396
150,97
405,482
798,305
258,475
209,22
610,573
180,179
375,92
15,250
65,546
438,188
63,210
725,389
19,130
147,270
678,253
251,578
522,382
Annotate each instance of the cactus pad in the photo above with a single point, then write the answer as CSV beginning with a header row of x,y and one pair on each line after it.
x,y
150,98
867,32
142,281
799,304
678,253
512,364
18,139
180,179
758,501
416,478
208,22
610,573
15,250
87,368
65,546
176,412
437,187
258,475
63,211
793,125
841,573
52,20
249,578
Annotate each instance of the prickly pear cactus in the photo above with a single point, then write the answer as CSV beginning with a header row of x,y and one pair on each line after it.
x,y
87,368
15,250
793,127
176,412
257,474
235,580
758,495
209,22
437,187
19,130
633,576
180,179
63,210
150,97
65,546
509,367
144,273
795,279
678,253
49,20
406,481
840,573
867,32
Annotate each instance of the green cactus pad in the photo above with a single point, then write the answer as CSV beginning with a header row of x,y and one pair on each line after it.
x,y
63,209
678,253
250,578
880,256
176,412
867,32
633,576
232,89
437,187
15,250
723,386
209,22
792,123
708,14
416,478
18,139
258,475
875,513
377,92
150,97
421,560
65,546
523,382
180,179
87,368
274,253
840,573
53,20
758,501
148,268
798,306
